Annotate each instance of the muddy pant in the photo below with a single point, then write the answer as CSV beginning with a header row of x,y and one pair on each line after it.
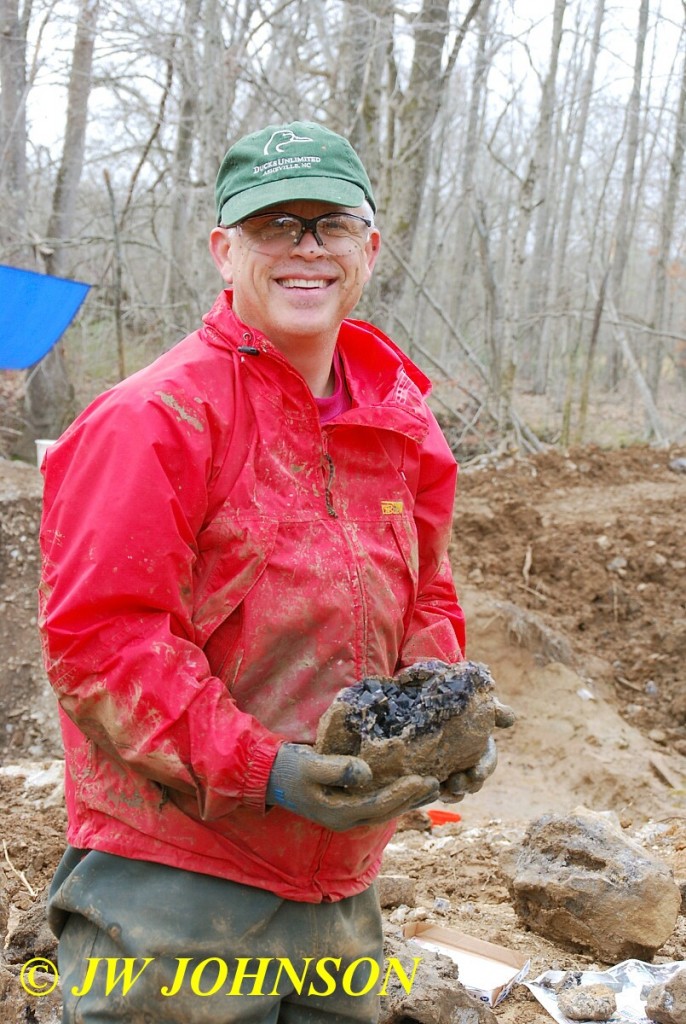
x,y
142,943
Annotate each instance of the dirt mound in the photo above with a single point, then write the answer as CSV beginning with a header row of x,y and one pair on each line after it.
x,y
27,707
592,543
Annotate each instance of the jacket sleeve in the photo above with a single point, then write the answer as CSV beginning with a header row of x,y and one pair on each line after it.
x,y
126,492
437,626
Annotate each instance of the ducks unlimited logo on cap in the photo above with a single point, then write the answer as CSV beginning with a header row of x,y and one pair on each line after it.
x,y
301,160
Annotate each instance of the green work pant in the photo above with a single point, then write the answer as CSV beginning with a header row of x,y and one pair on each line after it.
x,y
217,952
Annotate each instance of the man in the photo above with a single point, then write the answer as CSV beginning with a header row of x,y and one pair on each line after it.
x,y
230,536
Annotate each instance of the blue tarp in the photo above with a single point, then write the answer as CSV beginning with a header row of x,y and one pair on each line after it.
x,y
35,311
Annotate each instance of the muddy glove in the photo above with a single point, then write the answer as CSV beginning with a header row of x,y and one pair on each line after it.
x,y
459,784
328,789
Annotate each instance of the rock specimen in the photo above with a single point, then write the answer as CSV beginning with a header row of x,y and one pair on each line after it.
x,y
16,1005
682,888
30,935
430,719
414,821
394,890
587,1002
435,996
579,880
666,1003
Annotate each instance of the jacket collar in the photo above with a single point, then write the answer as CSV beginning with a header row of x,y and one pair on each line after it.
x,y
378,373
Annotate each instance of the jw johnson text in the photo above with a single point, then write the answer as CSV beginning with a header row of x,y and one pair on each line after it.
x,y
252,976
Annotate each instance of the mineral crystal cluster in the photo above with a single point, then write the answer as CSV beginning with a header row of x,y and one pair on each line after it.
x,y
430,719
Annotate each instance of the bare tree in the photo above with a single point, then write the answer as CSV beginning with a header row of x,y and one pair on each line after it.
x,y
49,393
620,250
175,293
367,43
469,214
667,225
61,222
14,85
633,127
405,175
559,290
531,194
543,198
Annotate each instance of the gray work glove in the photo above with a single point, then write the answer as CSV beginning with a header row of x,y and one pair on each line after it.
x,y
459,784
328,789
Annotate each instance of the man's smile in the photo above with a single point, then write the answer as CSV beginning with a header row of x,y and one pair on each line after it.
x,y
303,282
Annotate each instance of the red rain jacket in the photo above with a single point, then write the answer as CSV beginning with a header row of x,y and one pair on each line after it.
x,y
216,566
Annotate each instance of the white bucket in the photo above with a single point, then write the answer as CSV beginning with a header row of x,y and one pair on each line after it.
x,y
42,445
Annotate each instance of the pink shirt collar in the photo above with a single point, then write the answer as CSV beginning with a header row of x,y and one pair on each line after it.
x,y
340,401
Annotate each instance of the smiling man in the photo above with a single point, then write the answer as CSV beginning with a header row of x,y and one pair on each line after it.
x,y
230,536
318,259
296,283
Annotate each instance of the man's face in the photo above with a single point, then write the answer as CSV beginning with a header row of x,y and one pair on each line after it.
x,y
299,298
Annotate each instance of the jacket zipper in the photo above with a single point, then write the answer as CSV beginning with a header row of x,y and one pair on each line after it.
x,y
327,489
252,350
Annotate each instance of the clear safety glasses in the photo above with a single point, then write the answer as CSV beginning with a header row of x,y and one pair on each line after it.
x,y
275,234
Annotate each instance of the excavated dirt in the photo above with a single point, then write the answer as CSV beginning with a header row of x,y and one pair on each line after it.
x,y
572,570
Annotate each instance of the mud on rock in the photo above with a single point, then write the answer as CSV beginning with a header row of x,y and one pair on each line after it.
x,y
431,719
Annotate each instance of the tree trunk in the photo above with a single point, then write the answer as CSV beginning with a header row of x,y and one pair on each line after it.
x,y
531,194
14,246
676,165
653,417
61,222
573,171
367,38
590,357
406,173
542,198
621,253
175,290
466,220
557,300
360,109
49,391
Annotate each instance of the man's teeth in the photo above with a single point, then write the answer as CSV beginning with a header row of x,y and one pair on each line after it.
x,y
302,282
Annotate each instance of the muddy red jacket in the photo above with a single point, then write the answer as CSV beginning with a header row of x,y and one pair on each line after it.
x,y
216,566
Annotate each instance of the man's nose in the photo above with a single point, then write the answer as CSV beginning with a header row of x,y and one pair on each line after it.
x,y
308,245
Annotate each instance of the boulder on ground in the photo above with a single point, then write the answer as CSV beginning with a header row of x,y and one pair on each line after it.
x,y
666,1003
435,996
578,880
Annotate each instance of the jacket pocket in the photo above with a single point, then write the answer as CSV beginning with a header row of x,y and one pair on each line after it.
x,y
233,552
405,534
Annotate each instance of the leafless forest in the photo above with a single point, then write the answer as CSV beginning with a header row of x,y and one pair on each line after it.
x,y
527,156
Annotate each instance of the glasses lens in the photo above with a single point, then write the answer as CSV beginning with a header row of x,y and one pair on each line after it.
x,y
274,234
268,233
342,233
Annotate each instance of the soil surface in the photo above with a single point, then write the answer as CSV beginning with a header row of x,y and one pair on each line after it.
x,y
572,571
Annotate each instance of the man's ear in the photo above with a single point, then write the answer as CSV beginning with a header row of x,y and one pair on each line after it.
x,y
372,247
220,248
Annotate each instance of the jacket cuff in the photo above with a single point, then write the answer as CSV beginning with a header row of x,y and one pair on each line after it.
x,y
258,770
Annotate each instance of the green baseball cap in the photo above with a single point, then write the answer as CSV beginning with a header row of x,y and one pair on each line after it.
x,y
282,162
